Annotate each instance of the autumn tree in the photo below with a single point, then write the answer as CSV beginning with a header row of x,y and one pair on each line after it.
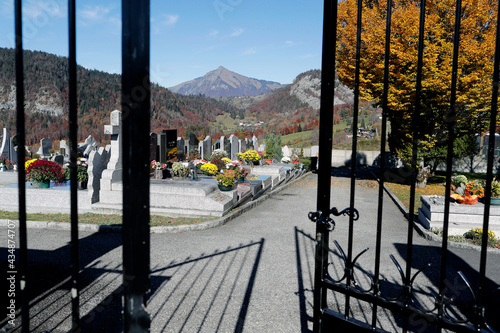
x,y
475,67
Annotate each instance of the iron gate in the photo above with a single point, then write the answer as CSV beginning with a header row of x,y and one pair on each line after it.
x,y
136,115
404,304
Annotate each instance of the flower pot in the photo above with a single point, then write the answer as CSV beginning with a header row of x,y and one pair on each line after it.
x,y
241,179
82,184
269,161
158,174
225,188
495,201
45,184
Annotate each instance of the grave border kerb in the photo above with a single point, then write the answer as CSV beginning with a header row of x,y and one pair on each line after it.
x,y
428,234
164,229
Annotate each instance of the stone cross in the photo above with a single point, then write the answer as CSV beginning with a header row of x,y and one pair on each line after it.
x,y
113,172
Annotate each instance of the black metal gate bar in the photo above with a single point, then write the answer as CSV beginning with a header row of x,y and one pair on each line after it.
x,y
349,265
416,132
325,154
451,122
73,128
21,136
489,174
136,102
378,244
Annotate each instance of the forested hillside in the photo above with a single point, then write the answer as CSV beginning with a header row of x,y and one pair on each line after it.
x,y
46,91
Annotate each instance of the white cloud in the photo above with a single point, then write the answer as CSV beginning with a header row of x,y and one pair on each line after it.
x,y
289,43
249,51
50,9
95,14
213,33
236,32
170,19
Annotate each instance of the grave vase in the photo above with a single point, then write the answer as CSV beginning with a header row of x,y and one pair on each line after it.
x,y
45,184
158,174
82,184
225,188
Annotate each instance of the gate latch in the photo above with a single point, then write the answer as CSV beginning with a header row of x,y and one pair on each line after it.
x,y
318,217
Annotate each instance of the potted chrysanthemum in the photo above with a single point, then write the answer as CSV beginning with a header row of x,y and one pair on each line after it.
x,y
43,171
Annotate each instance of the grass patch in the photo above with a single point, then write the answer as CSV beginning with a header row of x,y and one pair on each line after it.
x,y
105,219
495,243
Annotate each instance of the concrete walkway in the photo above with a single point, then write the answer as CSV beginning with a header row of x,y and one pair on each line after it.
x,y
253,274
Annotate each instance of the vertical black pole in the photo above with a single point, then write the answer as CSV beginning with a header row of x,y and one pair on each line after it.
x,y
325,154
416,126
489,178
136,112
349,265
21,136
385,111
73,128
451,122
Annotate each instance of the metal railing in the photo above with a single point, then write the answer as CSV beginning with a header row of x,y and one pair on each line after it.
x,y
136,128
403,304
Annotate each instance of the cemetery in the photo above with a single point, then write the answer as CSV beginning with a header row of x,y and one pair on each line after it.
x,y
192,177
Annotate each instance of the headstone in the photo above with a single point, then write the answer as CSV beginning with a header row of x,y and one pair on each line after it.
x,y
59,159
7,147
113,172
181,148
216,145
153,147
235,147
286,151
243,146
45,147
64,148
207,148
262,147
90,145
314,151
225,145
255,143
162,147
98,159
171,143
193,140
200,149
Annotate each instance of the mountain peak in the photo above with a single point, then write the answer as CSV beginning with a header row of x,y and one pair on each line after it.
x,y
222,82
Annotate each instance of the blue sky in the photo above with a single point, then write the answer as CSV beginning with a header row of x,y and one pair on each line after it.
x,y
270,40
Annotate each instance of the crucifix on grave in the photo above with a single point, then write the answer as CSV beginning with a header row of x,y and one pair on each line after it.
x,y
113,171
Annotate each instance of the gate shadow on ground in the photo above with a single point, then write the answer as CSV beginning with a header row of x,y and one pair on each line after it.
x,y
49,272
391,286
455,287
209,293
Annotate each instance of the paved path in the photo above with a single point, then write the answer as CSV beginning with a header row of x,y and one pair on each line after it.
x,y
253,274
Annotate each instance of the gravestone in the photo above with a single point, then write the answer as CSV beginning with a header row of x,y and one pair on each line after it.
x,y
171,143
193,143
243,145
64,148
255,143
89,145
98,159
233,142
113,172
225,146
207,148
7,147
216,145
153,147
45,147
59,159
181,148
162,148
286,151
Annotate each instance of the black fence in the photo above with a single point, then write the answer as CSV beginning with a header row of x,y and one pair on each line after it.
x,y
136,128
404,304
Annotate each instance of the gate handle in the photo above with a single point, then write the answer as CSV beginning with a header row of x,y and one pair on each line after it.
x,y
348,211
